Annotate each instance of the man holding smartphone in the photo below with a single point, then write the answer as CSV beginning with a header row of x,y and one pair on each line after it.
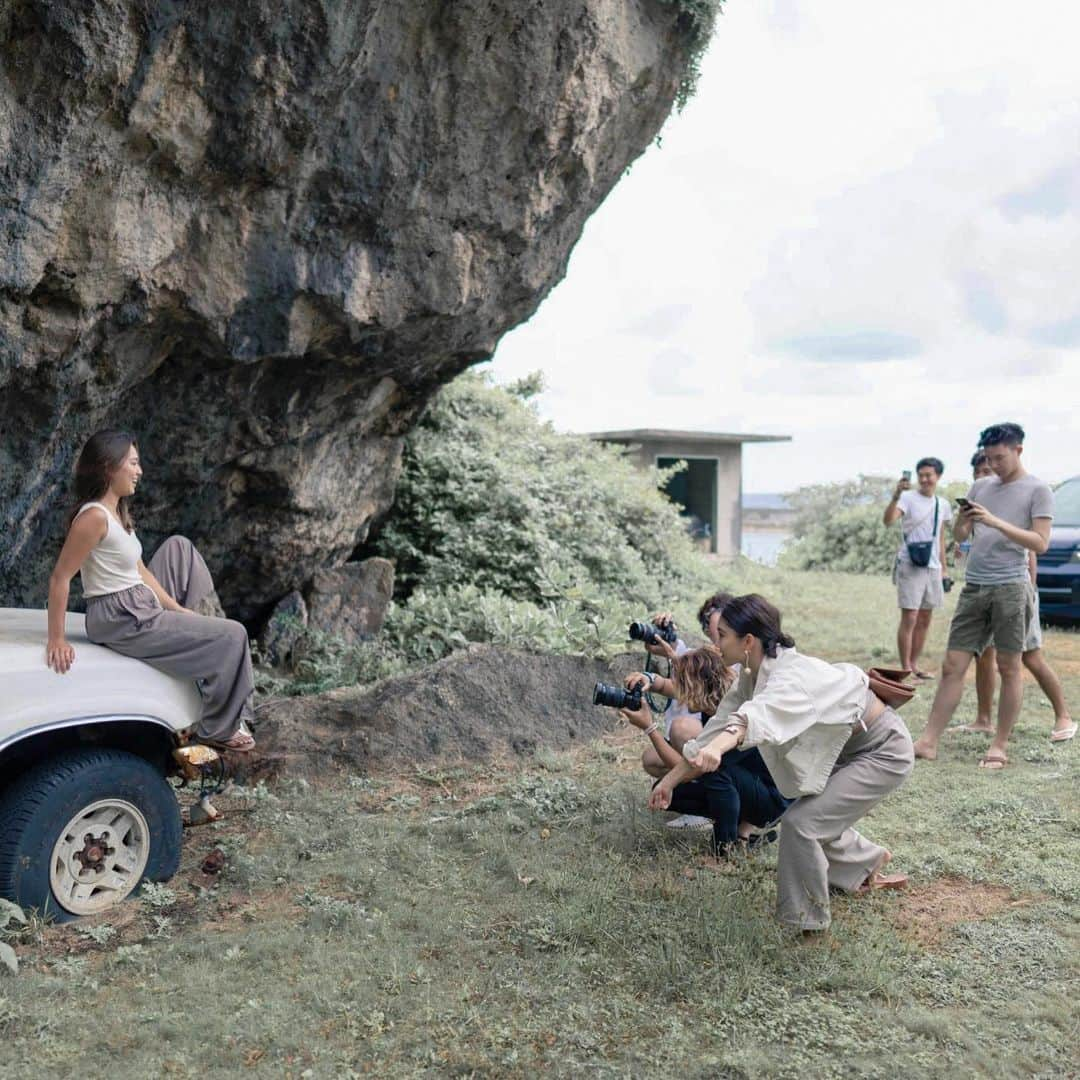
x,y
920,562
1007,515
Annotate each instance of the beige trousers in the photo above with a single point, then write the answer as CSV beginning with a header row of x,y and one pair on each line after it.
x,y
819,849
213,652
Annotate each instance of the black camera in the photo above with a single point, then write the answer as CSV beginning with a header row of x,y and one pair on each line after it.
x,y
947,584
616,697
644,631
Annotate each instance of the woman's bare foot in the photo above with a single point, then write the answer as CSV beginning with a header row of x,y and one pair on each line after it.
x,y
877,879
1064,729
980,727
925,750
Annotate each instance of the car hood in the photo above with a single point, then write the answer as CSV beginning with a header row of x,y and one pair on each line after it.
x,y
101,682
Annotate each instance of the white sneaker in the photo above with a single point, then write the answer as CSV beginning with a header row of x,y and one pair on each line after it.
x,y
688,821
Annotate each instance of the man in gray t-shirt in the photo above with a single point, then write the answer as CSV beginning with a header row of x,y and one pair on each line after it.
x,y
996,559
1007,515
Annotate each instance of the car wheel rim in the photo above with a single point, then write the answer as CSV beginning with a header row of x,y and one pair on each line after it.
x,y
100,856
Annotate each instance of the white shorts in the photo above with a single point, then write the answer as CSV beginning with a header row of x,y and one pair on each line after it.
x,y
918,588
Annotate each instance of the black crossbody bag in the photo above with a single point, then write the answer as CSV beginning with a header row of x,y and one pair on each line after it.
x,y
921,552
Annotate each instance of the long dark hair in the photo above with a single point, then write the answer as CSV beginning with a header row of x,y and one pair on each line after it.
x,y
102,455
753,614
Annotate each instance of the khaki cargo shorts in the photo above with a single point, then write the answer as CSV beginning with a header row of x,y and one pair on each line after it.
x,y
998,615
918,587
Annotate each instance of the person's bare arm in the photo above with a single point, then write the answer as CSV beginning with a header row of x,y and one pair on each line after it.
x,y
660,798
893,511
944,570
86,532
1036,539
963,526
152,583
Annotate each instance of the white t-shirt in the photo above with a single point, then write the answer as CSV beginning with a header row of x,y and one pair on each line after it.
x,y
917,523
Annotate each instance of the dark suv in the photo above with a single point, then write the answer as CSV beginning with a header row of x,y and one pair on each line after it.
x,y
1059,566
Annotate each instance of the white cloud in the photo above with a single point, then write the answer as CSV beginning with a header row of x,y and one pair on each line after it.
x,y
861,232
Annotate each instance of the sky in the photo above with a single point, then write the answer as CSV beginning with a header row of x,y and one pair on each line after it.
x,y
863,232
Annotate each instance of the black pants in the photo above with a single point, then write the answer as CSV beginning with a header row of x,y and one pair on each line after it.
x,y
740,790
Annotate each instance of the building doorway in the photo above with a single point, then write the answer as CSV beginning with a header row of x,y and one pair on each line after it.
x,y
694,489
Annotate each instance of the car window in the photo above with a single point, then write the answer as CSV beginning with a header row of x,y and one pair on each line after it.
x,y
1067,503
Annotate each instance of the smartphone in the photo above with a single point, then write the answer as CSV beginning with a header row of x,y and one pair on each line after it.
x,y
964,504
906,474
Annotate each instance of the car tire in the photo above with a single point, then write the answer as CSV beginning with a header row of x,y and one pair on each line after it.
x,y
82,830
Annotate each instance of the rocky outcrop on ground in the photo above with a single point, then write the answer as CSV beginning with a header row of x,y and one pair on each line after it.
x,y
483,702
258,235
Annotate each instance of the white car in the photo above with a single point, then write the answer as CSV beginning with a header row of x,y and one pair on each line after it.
x,y
86,810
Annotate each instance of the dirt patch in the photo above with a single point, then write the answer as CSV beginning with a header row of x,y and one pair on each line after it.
x,y
925,913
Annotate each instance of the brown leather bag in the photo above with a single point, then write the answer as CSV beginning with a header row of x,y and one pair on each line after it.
x,y
890,685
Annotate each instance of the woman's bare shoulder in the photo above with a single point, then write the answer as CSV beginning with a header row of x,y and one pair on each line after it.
x,y
92,521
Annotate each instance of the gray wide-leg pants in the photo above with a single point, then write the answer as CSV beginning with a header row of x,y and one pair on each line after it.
x,y
818,846
212,651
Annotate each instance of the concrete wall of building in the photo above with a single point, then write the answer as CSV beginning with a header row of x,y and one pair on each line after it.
x,y
727,526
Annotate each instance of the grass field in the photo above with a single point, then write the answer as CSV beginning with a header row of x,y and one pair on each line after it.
x,y
532,918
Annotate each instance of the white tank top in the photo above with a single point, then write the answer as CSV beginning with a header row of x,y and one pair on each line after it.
x,y
113,565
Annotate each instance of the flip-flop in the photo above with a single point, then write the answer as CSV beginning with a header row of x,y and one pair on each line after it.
x,y
240,743
993,762
882,881
923,676
1064,735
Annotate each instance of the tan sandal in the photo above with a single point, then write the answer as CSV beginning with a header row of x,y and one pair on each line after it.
x,y
993,762
877,880
239,743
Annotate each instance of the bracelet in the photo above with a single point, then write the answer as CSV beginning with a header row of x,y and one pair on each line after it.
x,y
654,726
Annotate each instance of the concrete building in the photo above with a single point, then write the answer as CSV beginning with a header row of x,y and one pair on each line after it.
x,y
710,488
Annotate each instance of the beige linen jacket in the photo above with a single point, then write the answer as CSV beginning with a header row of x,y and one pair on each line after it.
x,y
798,712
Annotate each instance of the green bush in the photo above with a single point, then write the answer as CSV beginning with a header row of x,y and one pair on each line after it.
x,y
839,526
505,531
491,497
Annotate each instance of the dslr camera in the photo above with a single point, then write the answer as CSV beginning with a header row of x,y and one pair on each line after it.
x,y
616,697
650,635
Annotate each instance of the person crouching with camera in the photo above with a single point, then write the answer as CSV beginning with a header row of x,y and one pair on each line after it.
x,y
738,797
830,742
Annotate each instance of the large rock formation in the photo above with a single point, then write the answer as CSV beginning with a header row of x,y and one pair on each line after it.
x,y
258,235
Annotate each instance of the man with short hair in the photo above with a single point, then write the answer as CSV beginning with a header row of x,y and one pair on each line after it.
x,y
1033,658
1007,515
922,515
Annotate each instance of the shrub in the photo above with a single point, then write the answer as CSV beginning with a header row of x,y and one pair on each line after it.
x,y
493,498
839,526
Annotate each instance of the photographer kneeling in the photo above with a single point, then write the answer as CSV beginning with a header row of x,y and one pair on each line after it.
x,y
737,797
828,740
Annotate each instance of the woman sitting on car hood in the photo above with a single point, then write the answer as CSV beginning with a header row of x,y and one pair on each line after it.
x,y
141,611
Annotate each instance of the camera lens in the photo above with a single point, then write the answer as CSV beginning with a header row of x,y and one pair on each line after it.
x,y
615,697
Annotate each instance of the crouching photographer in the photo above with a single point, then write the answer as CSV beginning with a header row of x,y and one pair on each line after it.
x,y
739,796
680,722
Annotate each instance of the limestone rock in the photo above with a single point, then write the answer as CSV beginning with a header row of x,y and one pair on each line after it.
x,y
259,235
351,601
283,629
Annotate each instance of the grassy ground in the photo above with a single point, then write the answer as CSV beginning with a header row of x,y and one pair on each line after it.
x,y
532,918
